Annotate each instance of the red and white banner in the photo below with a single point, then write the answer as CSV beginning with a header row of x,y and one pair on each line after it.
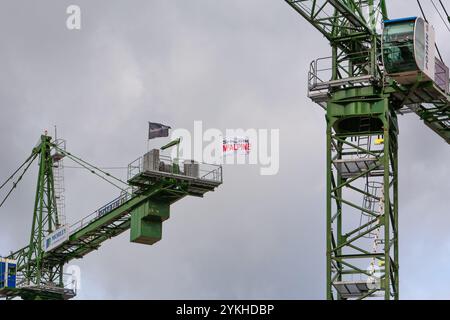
x,y
236,145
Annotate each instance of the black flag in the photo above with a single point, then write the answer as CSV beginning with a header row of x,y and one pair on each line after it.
x,y
156,130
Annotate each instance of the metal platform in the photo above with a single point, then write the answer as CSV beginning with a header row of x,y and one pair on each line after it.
x,y
355,289
45,292
327,85
349,168
152,168
167,182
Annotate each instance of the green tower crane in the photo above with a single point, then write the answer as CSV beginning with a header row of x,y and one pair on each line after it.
x,y
154,183
378,68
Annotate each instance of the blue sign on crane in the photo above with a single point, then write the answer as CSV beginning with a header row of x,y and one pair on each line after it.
x,y
8,270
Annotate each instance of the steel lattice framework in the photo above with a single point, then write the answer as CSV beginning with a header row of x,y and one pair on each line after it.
x,y
361,105
362,236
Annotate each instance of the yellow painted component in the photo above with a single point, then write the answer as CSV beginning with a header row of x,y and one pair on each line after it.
x,y
379,141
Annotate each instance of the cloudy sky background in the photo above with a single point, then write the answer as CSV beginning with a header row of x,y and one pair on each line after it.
x,y
231,64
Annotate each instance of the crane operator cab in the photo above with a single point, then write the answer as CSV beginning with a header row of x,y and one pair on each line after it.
x,y
409,53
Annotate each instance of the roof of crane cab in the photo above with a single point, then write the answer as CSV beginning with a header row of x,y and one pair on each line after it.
x,y
400,20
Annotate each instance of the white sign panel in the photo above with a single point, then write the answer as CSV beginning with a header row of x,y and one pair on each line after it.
x,y
429,65
56,238
237,145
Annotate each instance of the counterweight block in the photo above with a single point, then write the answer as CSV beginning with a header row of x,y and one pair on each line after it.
x,y
146,222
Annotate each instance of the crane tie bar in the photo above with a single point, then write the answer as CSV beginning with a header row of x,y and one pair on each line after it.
x,y
30,161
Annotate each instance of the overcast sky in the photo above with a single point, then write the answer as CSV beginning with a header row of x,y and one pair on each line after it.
x,y
231,64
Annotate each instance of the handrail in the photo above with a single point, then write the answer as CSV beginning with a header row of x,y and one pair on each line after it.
x,y
100,212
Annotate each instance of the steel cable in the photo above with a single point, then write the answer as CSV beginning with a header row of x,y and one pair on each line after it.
x,y
15,172
18,180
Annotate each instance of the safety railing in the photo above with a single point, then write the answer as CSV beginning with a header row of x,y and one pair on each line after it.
x,y
351,68
190,168
69,286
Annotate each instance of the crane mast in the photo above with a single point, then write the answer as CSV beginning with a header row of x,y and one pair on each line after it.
x,y
362,91
361,103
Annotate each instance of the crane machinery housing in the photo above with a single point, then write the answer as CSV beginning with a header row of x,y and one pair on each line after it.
x,y
378,68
